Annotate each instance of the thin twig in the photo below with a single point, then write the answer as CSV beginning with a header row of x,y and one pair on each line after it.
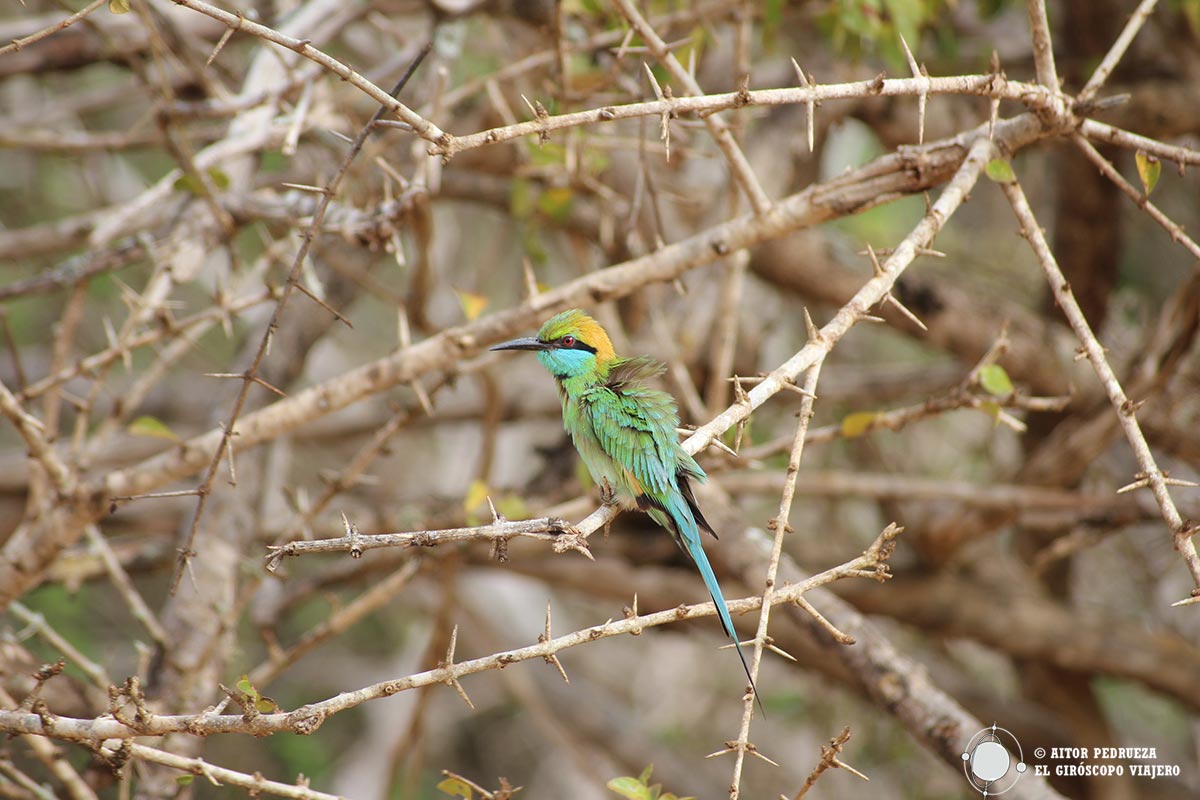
x,y
780,526
1125,409
1117,51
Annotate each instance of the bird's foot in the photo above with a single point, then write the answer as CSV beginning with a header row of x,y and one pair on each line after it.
x,y
608,495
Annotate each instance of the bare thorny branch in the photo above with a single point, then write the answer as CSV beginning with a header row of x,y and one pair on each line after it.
x,y
958,163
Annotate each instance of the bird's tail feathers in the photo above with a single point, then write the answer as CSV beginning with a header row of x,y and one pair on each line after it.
x,y
690,537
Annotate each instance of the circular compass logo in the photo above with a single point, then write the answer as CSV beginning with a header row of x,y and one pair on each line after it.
x,y
989,763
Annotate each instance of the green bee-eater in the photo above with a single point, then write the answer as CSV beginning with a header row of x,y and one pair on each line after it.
x,y
626,433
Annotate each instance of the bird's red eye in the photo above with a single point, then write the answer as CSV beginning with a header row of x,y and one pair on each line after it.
x,y
568,341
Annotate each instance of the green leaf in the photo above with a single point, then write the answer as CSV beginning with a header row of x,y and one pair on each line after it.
x,y
122,7
1191,10
455,788
991,409
189,183
151,426
1000,171
646,773
272,161
858,423
186,183
184,780
218,178
247,688
1149,169
629,787
995,380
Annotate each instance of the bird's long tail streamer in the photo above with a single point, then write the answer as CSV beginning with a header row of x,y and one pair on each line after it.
x,y
691,541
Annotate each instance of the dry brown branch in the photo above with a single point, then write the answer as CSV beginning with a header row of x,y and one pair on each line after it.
x,y
954,606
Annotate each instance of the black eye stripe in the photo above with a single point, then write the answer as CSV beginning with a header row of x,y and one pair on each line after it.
x,y
576,345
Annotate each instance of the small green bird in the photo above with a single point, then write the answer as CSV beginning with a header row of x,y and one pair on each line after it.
x,y
626,434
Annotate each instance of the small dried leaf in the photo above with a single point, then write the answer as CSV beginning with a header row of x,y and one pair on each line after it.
x,y
455,788
858,423
1149,169
995,380
123,7
472,304
1000,171
266,705
476,496
153,427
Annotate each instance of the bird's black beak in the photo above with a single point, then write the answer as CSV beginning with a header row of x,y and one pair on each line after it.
x,y
527,343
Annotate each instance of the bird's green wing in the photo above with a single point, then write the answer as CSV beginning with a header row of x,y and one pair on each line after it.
x,y
635,425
